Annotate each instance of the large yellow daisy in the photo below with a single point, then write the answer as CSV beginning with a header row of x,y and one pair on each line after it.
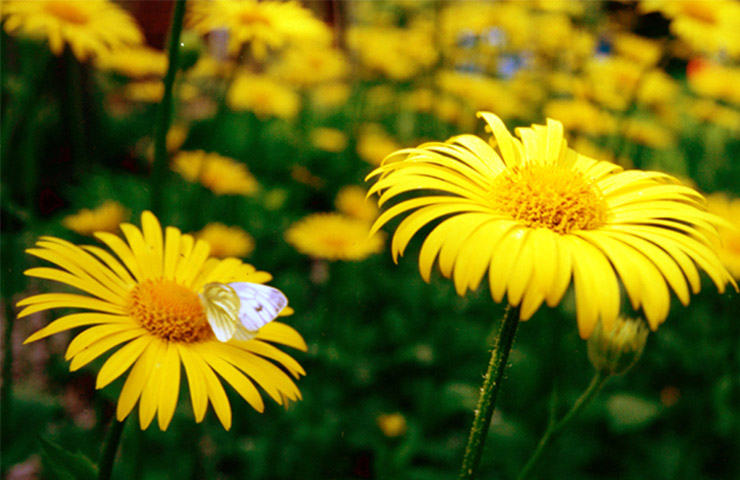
x,y
534,214
149,304
90,28
263,26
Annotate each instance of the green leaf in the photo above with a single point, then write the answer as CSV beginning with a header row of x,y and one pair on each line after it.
x,y
630,412
66,465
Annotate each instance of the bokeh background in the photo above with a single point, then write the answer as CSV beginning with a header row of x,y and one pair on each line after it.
x,y
265,134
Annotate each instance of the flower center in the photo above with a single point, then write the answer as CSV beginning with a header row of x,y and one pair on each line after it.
x,y
169,311
67,11
548,196
700,10
253,16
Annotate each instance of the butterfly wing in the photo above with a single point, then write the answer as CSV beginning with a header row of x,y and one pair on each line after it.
x,y
221,306
260,304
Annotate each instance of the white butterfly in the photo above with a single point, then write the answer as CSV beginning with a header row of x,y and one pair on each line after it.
x,y
238,310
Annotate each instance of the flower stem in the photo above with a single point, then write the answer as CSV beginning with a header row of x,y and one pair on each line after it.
x,y
488,394
107,458
164,113
556,428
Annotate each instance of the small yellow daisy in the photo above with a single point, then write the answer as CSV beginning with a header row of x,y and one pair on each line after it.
x,y
352,201
92,27
334,236
729,209
221,175
153,305
264,26
535,214
226,241
263,96
104,218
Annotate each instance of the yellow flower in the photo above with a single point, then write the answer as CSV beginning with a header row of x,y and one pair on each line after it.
x,y
307,67
334,236
263,26
613,81
226,241
134,62
263,96
649,133
716,81
329,139
396,53
728,209
104,218
147,91
352,201
392,424
642,50
711,112
535,214
92,27
581,116
148,302
709,27
615,351
374,144
221,175
330,96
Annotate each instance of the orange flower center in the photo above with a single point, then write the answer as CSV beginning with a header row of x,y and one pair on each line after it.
x,y
67,11
252,16
702,11
548,196
169,311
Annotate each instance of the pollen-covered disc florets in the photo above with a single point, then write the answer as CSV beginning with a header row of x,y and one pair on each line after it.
x,y
169,311
549,196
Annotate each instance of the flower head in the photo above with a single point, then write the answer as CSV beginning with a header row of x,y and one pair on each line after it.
x,y
104,218
263,26
90,28
150,304
613,352
535,214
352,201
264,96
226,241
729,209
334,236
221,175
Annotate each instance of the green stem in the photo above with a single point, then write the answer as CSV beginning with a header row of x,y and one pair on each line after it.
x,y
164,113
488,394
108,457
556,428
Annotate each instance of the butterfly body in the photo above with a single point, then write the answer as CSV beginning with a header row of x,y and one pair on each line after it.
x,y
238,310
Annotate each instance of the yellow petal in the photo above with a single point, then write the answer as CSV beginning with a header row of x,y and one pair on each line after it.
x,y
138,377
277,332
94,350
196,382
76,320
120,361
170,388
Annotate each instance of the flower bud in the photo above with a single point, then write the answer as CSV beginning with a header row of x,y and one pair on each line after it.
x,y
616,351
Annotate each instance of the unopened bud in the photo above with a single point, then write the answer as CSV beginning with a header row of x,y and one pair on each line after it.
x,y
616,351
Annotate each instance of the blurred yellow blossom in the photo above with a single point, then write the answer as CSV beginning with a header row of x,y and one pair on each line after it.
x,y
396,53
649,133
221,175
711,112
729,209
134,62
706,26
262,26
716,81
330,96
581,116
657,88
613,81
334,236
263,96
91,28
148,91
642,50
104,218
226,241
352,201
307,67
328,139
392,424
374,144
